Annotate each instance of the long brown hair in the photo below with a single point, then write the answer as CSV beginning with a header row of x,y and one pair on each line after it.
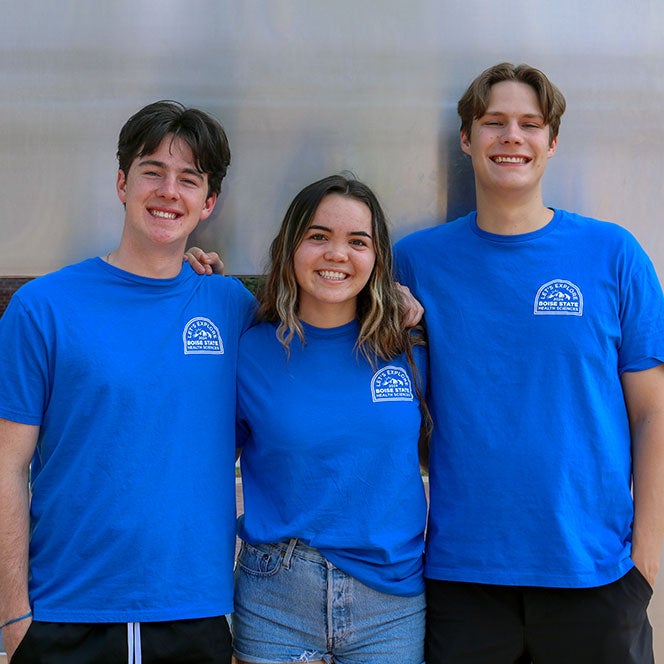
x,y
379,309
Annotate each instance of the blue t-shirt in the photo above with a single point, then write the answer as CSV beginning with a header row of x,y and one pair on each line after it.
x,y
529,334
329,454
132,383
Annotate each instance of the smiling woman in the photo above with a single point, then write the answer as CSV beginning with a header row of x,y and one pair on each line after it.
x,y
329,401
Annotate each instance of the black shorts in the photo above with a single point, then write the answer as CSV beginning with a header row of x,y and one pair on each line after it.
x,y
474,623
180,641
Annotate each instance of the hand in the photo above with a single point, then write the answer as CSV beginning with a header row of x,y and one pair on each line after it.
x,y
13,634
414,310
204,262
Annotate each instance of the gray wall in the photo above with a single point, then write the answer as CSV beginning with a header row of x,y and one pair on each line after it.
x,y
307,88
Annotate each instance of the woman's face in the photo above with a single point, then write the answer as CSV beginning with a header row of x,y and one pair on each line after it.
x,y
334,261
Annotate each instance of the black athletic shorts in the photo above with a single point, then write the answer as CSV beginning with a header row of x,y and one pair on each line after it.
x,y
474,623
199,641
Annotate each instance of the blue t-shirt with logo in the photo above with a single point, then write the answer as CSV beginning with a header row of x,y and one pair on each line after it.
x,y
528,337
329,453
132,382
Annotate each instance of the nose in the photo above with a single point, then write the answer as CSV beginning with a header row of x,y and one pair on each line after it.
x,y
168,188
512,133
336,253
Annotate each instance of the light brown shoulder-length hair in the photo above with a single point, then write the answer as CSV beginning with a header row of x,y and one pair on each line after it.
x,y
475,99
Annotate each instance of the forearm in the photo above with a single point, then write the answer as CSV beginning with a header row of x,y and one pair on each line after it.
x,y
648,470
644,398
14,542
14,537
17,445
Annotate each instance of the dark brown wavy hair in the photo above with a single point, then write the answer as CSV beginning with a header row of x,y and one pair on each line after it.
x,y
147,128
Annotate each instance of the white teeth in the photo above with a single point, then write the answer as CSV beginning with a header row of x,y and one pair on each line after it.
x,y
329,274
163,215
510,160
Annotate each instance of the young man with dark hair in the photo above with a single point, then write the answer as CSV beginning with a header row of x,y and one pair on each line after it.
x,y
124,550
546,334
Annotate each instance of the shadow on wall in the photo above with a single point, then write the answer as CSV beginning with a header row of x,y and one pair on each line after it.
x,y
460,179
456,179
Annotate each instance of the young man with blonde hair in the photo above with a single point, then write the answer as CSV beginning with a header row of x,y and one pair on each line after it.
x,y
546,386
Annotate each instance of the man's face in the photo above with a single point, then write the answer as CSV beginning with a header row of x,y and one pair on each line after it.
x,y
165,195
510,144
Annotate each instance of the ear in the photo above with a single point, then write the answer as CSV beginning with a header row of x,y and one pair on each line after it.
x,y
210,202
121,186
552,148
465,142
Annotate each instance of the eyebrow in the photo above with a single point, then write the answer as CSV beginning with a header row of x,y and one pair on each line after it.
x,y
521,115
161,164
329,230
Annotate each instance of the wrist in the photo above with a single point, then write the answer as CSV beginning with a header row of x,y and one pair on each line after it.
x,y
648,568
16,619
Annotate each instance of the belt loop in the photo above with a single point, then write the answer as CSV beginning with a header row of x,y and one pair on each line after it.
x,y
289,553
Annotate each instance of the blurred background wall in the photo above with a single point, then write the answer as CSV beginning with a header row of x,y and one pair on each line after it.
x,y
307,88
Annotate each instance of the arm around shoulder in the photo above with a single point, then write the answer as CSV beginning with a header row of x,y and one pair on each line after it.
x,y
644,397
17,445
204,263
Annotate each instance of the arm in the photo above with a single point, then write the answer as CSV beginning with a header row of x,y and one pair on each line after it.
x,y
644,397
204,262
17,445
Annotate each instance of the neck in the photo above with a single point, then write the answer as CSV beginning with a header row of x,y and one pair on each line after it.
x,y
327,316
152,262
511,216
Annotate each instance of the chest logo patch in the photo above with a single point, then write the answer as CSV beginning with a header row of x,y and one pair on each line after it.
x,y
559,297
391,384
201,337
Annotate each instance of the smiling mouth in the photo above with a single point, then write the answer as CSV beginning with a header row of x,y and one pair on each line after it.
x,y
332,275
163,215
510,160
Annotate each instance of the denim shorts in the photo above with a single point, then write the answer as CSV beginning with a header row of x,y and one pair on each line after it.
x,y
293,605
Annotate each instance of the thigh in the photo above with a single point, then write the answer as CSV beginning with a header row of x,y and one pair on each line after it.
x,y
199,641
604,625
473,623
64,643
280,604
369,626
